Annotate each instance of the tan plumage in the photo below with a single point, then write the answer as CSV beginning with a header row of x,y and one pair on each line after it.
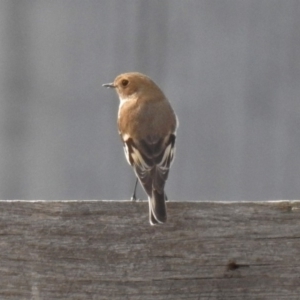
x,y
147,125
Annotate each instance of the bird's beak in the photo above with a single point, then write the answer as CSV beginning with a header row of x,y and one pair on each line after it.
x,y
109,85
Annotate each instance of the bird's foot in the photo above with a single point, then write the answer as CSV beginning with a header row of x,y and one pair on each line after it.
x,y
134,198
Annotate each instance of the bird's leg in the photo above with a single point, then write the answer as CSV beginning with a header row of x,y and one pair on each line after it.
x,y
133,197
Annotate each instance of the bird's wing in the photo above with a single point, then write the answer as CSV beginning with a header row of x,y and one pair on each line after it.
x,y
151,161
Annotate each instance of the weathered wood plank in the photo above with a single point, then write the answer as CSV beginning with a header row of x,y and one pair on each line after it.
x,y
107,250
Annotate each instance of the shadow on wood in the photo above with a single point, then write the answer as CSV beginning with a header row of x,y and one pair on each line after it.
x,y
108,250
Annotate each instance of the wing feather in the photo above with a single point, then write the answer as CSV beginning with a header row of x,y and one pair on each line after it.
x,y
151,163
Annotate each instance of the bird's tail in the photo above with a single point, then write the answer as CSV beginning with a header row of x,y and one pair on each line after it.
x,y
157,208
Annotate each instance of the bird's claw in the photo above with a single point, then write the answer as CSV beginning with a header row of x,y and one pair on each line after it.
x,y
134,199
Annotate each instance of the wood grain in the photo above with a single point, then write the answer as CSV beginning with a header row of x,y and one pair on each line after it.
x,y
108,250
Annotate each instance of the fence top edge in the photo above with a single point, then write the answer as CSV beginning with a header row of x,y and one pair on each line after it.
x,y
178,201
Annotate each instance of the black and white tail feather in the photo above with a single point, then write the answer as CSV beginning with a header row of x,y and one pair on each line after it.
x,y
151,161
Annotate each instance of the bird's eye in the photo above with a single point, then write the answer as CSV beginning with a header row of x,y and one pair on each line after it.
x,y
124,82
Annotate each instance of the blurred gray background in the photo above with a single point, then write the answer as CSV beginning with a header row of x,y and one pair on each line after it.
x,y
231,69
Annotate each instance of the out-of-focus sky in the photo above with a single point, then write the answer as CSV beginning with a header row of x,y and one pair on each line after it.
x,y
231,70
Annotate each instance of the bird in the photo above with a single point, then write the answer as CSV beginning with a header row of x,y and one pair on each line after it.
x,y
147,126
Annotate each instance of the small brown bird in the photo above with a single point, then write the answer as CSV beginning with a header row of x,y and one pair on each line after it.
x,y
147,126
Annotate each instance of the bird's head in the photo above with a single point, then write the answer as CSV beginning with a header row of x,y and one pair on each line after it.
x,y
132,84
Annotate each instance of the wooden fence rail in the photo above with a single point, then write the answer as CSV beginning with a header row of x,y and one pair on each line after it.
x,y
108,250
